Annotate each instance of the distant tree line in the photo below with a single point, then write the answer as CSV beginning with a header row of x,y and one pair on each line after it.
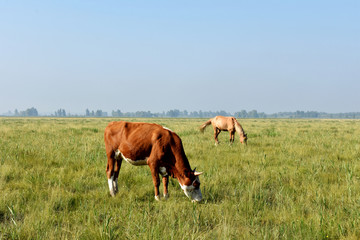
x,y
175,113
30,112
97,113
241,114
60,113
314,114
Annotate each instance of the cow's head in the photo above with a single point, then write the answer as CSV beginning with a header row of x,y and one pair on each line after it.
x,y
191,186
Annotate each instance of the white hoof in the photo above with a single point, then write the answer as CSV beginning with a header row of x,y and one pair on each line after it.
x,y
115,187
157,198
112,193
166,196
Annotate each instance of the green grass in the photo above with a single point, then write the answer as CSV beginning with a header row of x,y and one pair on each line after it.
x,y
296,179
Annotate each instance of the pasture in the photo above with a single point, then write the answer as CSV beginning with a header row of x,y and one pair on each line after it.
x,y
296,179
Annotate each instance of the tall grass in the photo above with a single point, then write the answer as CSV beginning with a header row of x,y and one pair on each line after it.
x,y
296,179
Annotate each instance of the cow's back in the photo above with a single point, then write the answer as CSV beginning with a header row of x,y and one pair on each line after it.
x,y
135,140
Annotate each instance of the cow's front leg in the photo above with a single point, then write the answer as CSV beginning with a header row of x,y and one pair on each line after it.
x,y
166,184
156,180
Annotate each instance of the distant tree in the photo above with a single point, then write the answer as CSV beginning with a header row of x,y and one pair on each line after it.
x,y
242,114
60,113
99,113
262,115
31,112
87,113
173,113
253,114
143,114
312,114
194,114
222,113
201,115
299,114
117,113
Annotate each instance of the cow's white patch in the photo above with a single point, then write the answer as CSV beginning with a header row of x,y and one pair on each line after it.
x,y
119,154
187,188
163,171
111,186
191,192
167,128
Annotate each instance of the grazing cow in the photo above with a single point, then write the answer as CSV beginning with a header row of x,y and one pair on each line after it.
x,y
153,145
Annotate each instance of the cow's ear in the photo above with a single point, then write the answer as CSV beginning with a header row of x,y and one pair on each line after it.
x,y
197,173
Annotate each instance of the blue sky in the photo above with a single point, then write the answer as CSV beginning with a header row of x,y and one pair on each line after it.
x,y
270,56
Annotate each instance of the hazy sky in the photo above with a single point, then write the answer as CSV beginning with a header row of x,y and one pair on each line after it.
x,y
267,55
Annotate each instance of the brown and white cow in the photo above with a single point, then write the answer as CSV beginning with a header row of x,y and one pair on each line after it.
x,y
153,145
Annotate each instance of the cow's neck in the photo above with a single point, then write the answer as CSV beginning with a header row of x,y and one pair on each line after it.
x,y
181,165
180,170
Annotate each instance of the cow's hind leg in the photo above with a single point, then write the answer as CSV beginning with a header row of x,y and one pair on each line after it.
x,y
166,184
117,168
110,174
112,171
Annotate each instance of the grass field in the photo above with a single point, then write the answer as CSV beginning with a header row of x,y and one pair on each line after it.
x,y
296,179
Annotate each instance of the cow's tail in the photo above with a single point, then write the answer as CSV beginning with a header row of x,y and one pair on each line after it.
x,y
207,123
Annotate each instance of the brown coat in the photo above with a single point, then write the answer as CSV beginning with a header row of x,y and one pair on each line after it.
x,y
153,145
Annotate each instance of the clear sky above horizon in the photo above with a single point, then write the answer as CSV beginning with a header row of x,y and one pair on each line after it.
x,y
271,56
